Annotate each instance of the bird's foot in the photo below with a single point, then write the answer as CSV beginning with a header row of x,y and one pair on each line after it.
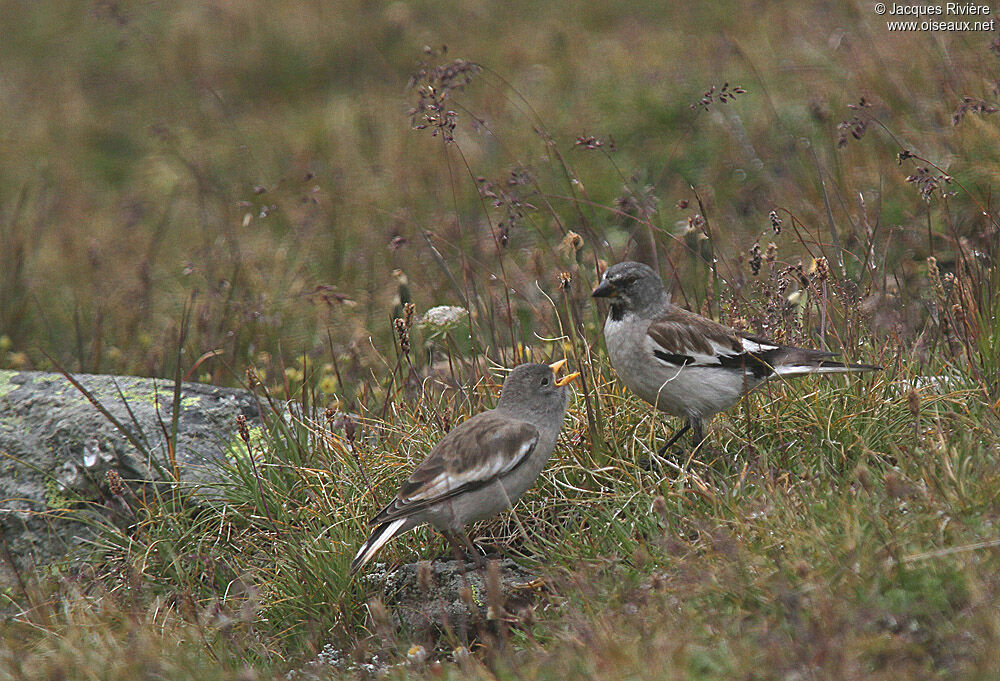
x,y
466,551
674,459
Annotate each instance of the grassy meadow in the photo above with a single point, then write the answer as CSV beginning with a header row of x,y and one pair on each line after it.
x,y
251,194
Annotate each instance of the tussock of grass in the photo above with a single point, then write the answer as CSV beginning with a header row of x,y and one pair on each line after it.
x,y
840,546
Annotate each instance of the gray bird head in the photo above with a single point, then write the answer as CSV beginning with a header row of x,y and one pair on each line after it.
x,y
632,286
536,389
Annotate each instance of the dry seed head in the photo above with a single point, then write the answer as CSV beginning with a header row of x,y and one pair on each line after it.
x,y
592,142
958,312
855,128
927,182
425,579
783,282
242,429
723,95
755,259
934,274
913,402
971,105
771,254
403,332
775,221
822,266
565,280
863,476
434,85
660,507
114,482
571,243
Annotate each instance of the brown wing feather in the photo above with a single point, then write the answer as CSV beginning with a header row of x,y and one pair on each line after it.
x,y
680,331
470,456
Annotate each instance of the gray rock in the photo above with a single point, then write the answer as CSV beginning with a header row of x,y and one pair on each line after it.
x,y
424,610
56,449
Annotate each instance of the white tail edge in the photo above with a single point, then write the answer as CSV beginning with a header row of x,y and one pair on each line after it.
x,y
379,536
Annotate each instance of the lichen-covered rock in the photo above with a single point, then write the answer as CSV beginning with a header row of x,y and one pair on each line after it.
x,y
56,449
426,607
427,599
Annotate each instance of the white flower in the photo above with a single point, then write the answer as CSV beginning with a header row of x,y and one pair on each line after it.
x,y
416,654
442,318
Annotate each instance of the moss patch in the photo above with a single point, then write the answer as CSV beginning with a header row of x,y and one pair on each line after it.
x,y
5,382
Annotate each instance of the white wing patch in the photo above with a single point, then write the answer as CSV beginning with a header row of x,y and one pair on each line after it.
x,y
687,357
690,357
753,346
492,466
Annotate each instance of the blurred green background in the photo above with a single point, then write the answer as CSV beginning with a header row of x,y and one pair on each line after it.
x,y
257,160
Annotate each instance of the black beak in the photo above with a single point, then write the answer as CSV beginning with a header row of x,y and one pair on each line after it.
x,y
605,290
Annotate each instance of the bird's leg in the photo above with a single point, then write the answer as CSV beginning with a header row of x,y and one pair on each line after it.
x,y
461,543
697,431
457,548
473,551
675,438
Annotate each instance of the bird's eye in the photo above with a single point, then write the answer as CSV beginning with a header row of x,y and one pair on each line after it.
x,y
545,381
